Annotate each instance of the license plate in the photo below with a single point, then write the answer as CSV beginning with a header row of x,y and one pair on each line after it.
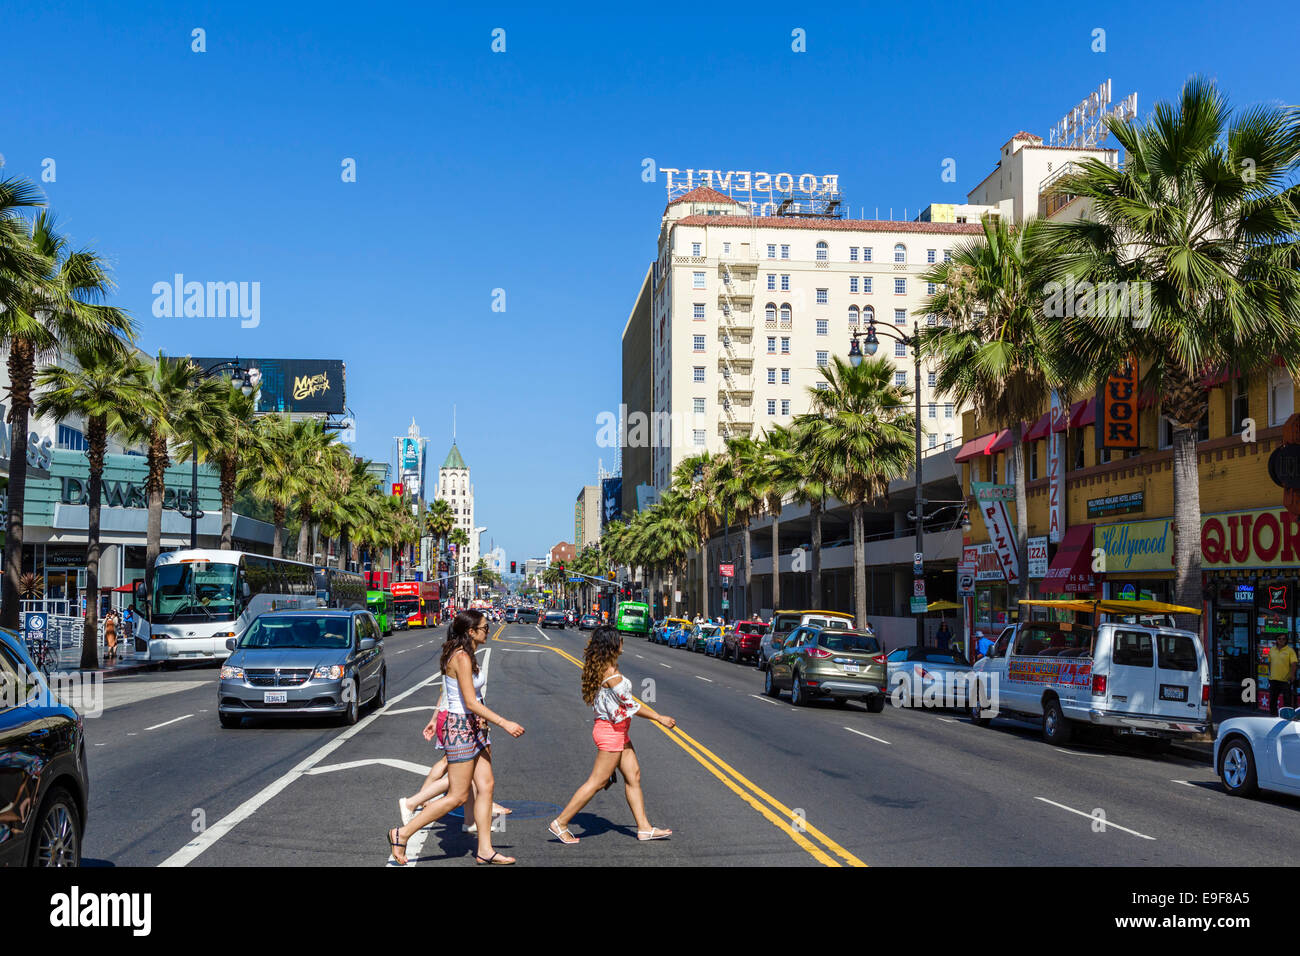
x,y
1173,692
275,697
851,668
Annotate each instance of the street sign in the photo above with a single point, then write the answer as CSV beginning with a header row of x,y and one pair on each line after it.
x,y
918,588
727,570
918,605
918,566
726,605
34,621
966,585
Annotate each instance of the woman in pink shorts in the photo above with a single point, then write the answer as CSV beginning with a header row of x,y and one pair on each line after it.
x,y
610,695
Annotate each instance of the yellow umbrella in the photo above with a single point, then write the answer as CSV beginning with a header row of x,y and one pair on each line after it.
x,y
942,606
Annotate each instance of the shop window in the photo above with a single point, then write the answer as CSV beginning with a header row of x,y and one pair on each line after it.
x,y
1281,397
1078,439
1240,404
1032,453
1167,430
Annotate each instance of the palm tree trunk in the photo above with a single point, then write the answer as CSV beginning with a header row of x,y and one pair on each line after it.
x,y
228,478
749,569
277,546
704,579
1187,526
1016,463
22,368
304,532
154,493
859,566
776,561
96,433
816,515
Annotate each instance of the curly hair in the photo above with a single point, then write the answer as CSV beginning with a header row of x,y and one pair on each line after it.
x,y
459,638
601,652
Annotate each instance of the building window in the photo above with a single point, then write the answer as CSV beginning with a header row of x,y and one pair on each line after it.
x,y
771,345
947,411
698,310
933,409
785,376
900,287
1240,404
699,436
1167,431
900,350
866,284
932,378
947,438
866,253
823,251
822,386
697,281
771,250
900,378
868,314
785,406
1281,397
900,253
699,342
823,327
769,312
853,316
726,249
853,283
947,255
785,252
900,317
785,345
929,255
929,290
822,297
1032,453
934,439
771,406
785,283
71,439
695,248
771,280
785,313
698,373
699,406
853,253
823,359
771,376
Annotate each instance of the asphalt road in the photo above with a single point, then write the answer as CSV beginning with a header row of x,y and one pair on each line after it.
x,y
742,781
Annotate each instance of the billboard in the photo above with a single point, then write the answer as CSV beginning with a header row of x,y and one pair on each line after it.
x,y
310,386
611,500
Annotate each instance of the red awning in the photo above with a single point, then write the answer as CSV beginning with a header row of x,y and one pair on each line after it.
x,y
1001,443
1039,429
1071,569
124,588
975,447
1086,415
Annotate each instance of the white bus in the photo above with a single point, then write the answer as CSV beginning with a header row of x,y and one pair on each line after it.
x,y
201,598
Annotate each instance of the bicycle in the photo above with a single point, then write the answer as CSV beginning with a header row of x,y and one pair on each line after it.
x,y
42,654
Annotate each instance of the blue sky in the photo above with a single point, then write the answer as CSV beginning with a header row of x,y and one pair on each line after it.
x,y
522,171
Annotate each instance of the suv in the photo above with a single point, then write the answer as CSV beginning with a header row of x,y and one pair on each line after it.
x,y
553,619
740,643
785,622
1133,678
44,784
527,615
829,662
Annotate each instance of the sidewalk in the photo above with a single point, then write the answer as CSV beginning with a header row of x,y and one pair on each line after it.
x,y
127,662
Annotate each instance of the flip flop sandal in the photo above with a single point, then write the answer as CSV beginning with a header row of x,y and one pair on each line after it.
x,y
654,833
613,779
394,845
493,859
560,832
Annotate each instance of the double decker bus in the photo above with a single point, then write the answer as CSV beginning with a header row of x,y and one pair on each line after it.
x,y
415,601
200,598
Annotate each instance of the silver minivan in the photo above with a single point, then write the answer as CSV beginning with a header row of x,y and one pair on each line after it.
x,y
303,663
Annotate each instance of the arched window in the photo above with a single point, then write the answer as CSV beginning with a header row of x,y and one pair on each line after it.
x,y
769,312
900,253
785,312
853,316
823,251
868,315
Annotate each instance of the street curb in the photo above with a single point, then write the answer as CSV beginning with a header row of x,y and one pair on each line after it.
x,y
134,668
1198,750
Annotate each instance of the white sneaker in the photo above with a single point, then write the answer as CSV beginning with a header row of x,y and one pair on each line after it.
x,y
406,815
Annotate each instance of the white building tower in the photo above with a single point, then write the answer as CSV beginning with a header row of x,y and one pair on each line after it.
x,y
454,486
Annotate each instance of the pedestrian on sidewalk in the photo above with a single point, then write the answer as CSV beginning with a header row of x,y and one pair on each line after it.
x,y
610,696
110,635
465,740
1282,661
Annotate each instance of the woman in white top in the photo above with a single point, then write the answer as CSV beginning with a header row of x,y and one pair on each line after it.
x,y
465,740
610,695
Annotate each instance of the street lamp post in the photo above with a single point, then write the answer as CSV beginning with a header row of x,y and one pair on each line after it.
x,y
247,386
872,343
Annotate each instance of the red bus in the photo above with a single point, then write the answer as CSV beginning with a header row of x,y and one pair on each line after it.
x,y
416,600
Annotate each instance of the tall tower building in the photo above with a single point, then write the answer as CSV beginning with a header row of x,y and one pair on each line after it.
x,y
454,486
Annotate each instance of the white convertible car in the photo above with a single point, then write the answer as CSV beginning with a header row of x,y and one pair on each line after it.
x,y
1259,753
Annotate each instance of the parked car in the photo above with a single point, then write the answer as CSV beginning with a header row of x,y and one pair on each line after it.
x,y
44,784
589,622
917,674
552,619
680,634
715,644
1258,753
512,615
527,615
660,636
299,663
740,643
785,622
698,636
1132,678
819,662
632,617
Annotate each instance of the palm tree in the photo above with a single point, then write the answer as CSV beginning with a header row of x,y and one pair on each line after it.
x,y
695,481
460,538
670,536
740,476
860,433
105,391
995,353
268,471
232,438
312,453
51,301
1201,219
775,477
811,489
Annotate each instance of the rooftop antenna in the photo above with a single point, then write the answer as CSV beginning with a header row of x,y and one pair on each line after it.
x,y
453,423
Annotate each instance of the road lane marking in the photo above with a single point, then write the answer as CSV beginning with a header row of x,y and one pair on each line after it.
x,y
172,721
403,650
640,658
415,768
766,700
208,838
1185,783
408,710
868,736
1076,753
669,666
541,632
698,677
949,720
1105,823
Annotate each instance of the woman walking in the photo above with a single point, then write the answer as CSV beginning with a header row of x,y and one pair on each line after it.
x,y
110,634
610,696
465,740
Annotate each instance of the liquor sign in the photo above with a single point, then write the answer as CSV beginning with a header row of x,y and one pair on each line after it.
x,y
1117,410
1038,557
1261,538
1116,504
1056,470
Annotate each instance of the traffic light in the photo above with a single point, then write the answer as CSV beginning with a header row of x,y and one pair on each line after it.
x,y
512,567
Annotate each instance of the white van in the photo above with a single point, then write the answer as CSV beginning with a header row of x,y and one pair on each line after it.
x,y
1136,679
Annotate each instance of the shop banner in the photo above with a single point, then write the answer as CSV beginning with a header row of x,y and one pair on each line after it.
x,y
1038,557
1116,504
984,557
1056,470
1136,545
998,522
986,491
1262,538
1117,409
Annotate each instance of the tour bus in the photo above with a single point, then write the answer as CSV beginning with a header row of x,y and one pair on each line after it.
x,y
341,589
380,603
201,598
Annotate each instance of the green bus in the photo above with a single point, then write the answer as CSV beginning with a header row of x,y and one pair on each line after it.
x,y
632,617
379,603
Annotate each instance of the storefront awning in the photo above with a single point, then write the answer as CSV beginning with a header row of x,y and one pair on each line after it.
x,y
1071,569
1001,443
975,447
1085,415
1038,431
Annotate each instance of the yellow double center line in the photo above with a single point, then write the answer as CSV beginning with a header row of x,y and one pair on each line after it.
x,y
777,813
